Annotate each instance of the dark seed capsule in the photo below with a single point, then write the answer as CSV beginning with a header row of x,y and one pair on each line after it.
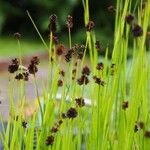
x,y
32,69
125,105
54,130
35,60
137,31
50,140
86,71
90,26
129,19
60,50
80,102
24,124
19,76
60,83
69,22
147,134
52,24
83,80
17,35
100,66
72,113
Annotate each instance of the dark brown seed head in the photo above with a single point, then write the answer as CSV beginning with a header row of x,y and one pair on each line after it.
x,y
135,128
80,55
60,122
125,105
83,80
86,71
62,73
26,76
19,76
137,31
63,115
35,60
97,80
14,66
112,65
72,113
24,124
90,26
100,66
52,24
60,83
17,35
74,71
32,69
98,45
69,21
55,40
147,134
50,140
80,102
138,125
54,129
60,49
129,19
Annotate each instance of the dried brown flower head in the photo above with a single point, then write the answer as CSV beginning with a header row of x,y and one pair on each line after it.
x,y
69,21
80,102
90,26
147,134
60,49
52,23
71,113
125,105
50,140
137,31
86,71
60,83
100,66
24,124
129,19
14,66
83,80
17,35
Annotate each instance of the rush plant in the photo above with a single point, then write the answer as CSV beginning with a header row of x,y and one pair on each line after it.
x,y
93,106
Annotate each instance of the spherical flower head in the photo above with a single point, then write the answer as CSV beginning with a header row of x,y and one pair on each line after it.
x,y
35,60
90,26
50,140
86,71
100,66
72,113
129,19
147,134
83,80
52,24
137,31
19,76
17,35
69,21
14,66
32,69
60,49
80,102
125,105
60,83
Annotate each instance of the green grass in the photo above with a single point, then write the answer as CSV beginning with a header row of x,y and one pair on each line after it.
x,y
9,47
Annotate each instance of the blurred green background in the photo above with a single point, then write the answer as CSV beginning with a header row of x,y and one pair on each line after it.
x,y
13,18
